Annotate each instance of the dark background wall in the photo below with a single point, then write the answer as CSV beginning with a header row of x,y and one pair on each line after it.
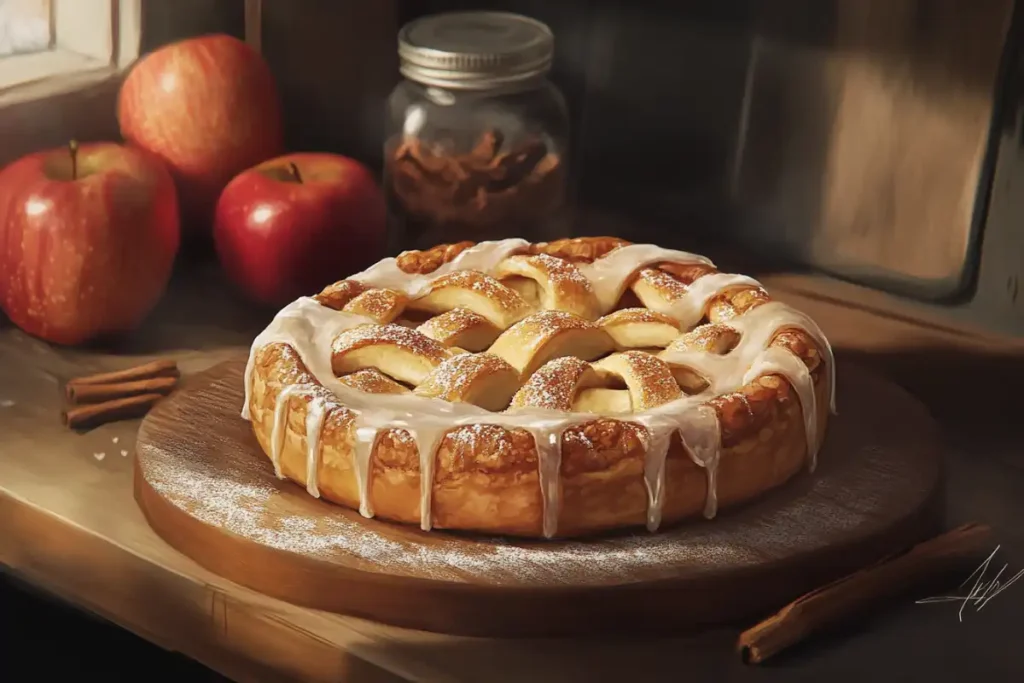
x,y
166,22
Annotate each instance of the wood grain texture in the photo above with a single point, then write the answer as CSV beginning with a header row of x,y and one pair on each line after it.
x,y
207,489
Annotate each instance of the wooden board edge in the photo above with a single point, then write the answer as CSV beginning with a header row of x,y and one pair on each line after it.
x,y
463,609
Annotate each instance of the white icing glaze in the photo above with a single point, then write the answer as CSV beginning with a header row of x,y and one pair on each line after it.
x,y
610,274
698,428
689,309
702,436
310,329
547,436
427,439
483,257
281,409
779,361
315,414
659,437
362,449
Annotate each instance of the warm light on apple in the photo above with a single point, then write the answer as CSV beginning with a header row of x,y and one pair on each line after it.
x,y
209,108
292,225
89,238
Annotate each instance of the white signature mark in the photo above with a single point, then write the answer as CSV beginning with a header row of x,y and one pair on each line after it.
x,y
981,591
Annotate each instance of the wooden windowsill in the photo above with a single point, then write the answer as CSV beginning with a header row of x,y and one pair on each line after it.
x,y
17,70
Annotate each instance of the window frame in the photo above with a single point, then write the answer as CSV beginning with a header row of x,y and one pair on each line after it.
x,y
91,40
76,97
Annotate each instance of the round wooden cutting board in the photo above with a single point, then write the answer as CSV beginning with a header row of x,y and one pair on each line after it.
x,y
207,488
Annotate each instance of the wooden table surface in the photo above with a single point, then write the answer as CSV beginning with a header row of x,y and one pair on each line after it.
x,y
70,525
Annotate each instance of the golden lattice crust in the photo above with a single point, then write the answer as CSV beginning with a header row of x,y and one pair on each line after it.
x,y
550,348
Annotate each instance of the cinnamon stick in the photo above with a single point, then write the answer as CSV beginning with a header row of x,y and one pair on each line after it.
x,y
95,393
96,414
830,604
157,368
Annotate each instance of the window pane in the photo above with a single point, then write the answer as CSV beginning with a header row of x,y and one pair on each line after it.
x,y
24,26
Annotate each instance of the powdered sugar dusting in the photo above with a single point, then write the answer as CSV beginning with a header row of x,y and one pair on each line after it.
x,y
395,335
562,271
544,323
382,305
484,285
448,328
230,498
454,379
475,437
628,316
553,386
564,287
372,381
649,378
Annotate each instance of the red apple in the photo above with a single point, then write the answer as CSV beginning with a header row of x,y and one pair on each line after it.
x,y
88,239
292,225
209,108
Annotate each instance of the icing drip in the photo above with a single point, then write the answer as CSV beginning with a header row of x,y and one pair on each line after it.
x,y
427,440
365,440
659,437
778,361
310,329
315,414
249,367
698,429
548,438
702,437
281,409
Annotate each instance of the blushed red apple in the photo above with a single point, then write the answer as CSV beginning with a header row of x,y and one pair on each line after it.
x,y
292,225
88,238
208,107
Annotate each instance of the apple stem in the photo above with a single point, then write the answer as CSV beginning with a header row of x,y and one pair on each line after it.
x,y
295,172
73,150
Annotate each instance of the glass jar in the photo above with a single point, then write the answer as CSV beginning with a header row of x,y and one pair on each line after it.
x,y
476,136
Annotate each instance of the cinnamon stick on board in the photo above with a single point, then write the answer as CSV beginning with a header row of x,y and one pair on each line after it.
x,y
851,594
108,411
157,368
95,393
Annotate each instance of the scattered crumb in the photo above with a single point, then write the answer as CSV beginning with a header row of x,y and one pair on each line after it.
x,y
124,453
116,439
99,456
6,403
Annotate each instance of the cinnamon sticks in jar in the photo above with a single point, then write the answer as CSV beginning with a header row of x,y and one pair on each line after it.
x,y
477,135
112,396
497,188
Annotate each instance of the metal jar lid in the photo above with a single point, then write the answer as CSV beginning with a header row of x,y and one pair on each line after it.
x,y
475,50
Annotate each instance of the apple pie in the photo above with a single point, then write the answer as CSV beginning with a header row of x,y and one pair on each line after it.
x,y
540,390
